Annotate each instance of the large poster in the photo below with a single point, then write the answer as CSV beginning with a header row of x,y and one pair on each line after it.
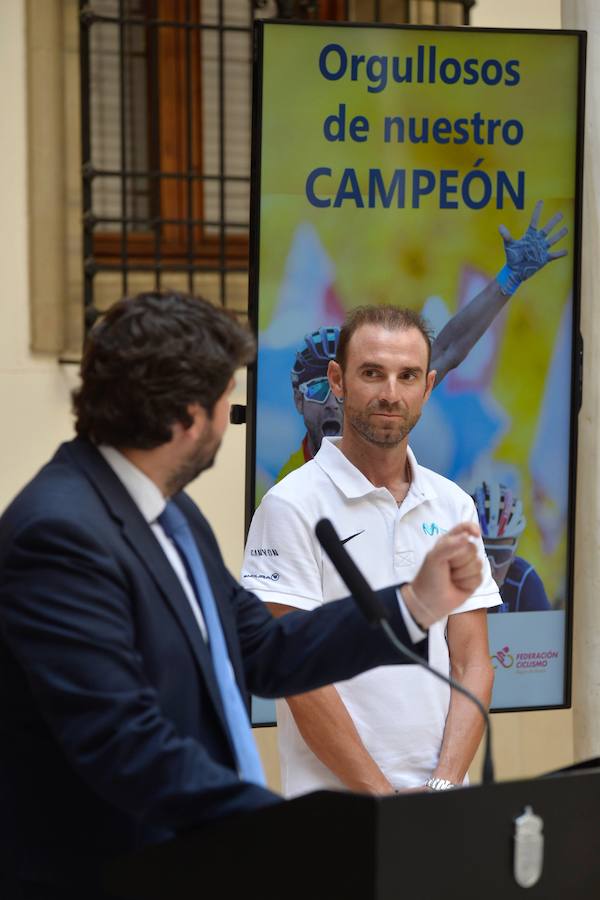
x,y
423,168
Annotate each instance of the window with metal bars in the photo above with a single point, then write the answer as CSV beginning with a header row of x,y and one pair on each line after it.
x,y
165,157
166,107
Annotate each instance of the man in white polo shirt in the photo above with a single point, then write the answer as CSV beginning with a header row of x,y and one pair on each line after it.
x,y
396,727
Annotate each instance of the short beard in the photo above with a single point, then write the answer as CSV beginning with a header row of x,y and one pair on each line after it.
x,y
200,459
188,472
378,436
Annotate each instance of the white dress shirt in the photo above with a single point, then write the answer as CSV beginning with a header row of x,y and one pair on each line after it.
x,y
151,503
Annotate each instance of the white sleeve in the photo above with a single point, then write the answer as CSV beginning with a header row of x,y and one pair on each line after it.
x,y
283,560
487,594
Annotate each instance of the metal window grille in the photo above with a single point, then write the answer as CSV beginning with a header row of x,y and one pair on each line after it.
x,y
165,112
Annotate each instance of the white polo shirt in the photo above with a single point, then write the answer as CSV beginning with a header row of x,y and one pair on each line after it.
x,y
399,711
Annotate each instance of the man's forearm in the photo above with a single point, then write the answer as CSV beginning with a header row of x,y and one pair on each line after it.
x,y
524,257
328,730
464,724
457,338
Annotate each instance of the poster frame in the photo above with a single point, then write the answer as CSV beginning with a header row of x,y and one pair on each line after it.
x,y
577,341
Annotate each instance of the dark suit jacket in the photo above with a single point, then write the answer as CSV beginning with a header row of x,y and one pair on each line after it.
x,y
112,732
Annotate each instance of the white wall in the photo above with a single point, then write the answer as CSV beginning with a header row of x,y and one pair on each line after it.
x,y
33,390
516,14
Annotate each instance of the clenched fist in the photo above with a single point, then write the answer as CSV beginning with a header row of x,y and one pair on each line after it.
x,y
450,573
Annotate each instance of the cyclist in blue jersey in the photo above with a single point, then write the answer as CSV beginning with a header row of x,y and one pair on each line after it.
x,y
502,522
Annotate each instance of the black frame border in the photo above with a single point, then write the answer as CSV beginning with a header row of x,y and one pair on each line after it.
x,y
577,340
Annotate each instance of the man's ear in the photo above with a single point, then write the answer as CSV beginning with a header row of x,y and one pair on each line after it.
x,y
429,383
198,416
336,378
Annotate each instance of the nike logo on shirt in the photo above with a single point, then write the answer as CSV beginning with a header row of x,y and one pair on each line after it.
x,y
345,541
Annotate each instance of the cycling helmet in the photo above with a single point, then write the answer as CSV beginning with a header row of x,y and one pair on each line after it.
x,y
319,348
500,512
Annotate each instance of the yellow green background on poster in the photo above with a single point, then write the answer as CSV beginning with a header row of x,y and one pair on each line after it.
x,y
400,152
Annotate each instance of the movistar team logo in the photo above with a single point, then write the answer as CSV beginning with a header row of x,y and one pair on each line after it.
x,y
432,528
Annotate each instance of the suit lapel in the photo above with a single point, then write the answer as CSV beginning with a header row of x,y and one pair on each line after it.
x,y
144,544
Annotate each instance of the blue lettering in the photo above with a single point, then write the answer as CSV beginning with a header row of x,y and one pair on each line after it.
x,y
447,189
493,66
358,129
460,129
377,73
355,62
423,183
512,69
413,136
349,190
471,71
450,63
468,183
396,121
342,62
518,132
442,128
517,196
377,188
310,184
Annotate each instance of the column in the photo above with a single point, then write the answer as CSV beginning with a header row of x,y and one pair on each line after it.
x,y
585,15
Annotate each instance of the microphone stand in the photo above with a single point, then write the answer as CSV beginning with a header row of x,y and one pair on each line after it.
x,y
487,771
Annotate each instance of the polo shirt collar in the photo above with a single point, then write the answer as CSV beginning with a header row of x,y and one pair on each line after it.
x,y
354,484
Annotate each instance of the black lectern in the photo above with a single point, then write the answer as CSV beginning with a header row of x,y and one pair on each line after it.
x,y
334,846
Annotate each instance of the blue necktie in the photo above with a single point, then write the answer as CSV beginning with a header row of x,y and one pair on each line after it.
x,y
249,765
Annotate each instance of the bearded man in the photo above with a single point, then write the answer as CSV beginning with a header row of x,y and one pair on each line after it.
x,y
127,650
394,728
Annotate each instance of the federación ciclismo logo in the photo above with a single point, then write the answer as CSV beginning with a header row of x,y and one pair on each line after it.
x,y
525,660
503,657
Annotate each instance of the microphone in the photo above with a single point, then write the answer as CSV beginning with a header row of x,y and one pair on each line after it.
x,y
365,597
375,613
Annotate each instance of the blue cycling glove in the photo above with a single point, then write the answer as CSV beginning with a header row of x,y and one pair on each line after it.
x,y
530,253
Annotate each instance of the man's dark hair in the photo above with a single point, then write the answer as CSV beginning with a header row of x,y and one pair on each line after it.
x,y
393,318
148,359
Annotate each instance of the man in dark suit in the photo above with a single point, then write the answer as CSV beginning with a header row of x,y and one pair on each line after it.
x,y
118,725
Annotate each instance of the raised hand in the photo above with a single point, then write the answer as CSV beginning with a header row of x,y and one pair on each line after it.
x,y
449,574
530,253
